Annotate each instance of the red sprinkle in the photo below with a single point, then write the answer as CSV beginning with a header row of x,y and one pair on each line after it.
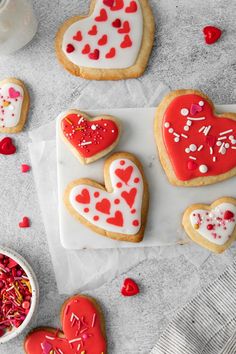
x,y
25,222
210,227
228,215
70,48
25,168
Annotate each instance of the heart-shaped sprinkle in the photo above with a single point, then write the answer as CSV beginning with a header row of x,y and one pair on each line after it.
x,y
111,53
103,40
93,31
129,288
25,168
118,5
95,54
7,147
132,7
84,197
195,108
86,49
228,215
70,48
125,28
212,34
102,17
78,37
116,23
108,3
126,42
13,93
25,222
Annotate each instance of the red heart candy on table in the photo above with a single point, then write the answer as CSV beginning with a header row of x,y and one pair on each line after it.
x,y
7,147
212,34
25,222
129,288
25,168
83,331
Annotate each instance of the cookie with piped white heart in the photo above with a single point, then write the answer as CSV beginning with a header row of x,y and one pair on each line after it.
x,y
119,208
196,145
212,226
113,42
14,105
89,138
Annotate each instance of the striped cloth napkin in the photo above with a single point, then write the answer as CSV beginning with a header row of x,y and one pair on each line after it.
x,y
207,324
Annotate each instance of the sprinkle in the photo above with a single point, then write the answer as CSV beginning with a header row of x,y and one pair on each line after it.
x,y
187,150
184,136
200,118
233,147
186,128
206,130
218,143
222,149
193,158
231,137
203,168
176,139
60,351
214,159
94,319
227,145
211,150
167,125
86,143
171,130
68,121
67,309
200,148
201,129
85,329
176,135
78,348
184,112
75,340
222,138
226,132
81,119
192,147
48,337
73,316
189,123
79,128
201,103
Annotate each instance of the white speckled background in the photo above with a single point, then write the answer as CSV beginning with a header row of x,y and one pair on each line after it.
x,y
181,59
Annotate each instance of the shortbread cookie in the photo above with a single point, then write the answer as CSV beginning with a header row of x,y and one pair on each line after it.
x,y
118,210
89,138
83,330
14,103
196,146
212,226
113,42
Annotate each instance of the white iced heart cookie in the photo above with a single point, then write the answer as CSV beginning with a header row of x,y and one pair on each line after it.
x,y
14,105
119,210
212,227
113,42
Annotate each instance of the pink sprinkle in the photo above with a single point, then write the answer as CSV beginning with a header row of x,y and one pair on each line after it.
x,y
94,319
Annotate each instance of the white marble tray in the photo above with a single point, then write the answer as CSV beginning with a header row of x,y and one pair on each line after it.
x,y
167,202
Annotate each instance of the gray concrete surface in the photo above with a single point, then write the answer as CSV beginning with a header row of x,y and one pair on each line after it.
x,y
180,59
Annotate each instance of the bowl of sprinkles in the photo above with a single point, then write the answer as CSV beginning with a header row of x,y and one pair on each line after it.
x,y
18,294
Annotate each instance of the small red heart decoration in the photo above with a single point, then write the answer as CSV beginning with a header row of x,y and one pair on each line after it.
x,y
129,288
7,147
126,42
95,54
228,215
25,168
124,173
104,206
93,31
102,17
117,219
119,4
111,53
13,93
108,3
116,23
212,34
70,48
86,49
24,223
132,7
84,197
78,37
125,28
103,40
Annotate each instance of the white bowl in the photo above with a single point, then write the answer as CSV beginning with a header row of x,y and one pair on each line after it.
x,y
35,294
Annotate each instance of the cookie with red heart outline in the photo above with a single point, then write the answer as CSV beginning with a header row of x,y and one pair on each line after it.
x,y
212,226
196,145
113,42
14,105
117,210
83,330
89,138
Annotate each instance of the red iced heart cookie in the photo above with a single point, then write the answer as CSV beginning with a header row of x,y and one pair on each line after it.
x,y
7,147
118,211
25,222
101,30
83,331
212,34
89,138
196,146
129,288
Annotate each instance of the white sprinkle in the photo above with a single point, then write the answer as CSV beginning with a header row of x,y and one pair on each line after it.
x,y
200,118
218,143
60,351
171,130
81,119
189,123
167,125
203,168
206,131
51,338
222,149
192,147
233,147
227,145
78,348
201,103
113,131
176,135
222,138
176,139
73,316
192,157
201,129
187,150
211,150
200,148
226,132
74,340
231,137
184,112
87,143
184,136
93,127
233,141
214,159
186,128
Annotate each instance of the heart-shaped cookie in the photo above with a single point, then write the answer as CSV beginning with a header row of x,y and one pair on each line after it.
x,y
213,226
118,210
83,331
113,42
14,105
89,138
196,145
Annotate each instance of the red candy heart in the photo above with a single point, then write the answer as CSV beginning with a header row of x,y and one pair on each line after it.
x,y
93,31
86,49
125,28
118,5
24,223
228,215
129,288
25,168
83,331
95,54
116,23
111,53
78,37
13,93
212,34
102,17
70,48
103,40
133,7
126,42
7,147
108,3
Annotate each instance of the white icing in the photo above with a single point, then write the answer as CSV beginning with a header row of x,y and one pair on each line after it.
x,y
124,57
222,230
10,107
128,228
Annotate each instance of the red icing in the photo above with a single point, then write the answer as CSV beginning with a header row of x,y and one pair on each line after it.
x,y
103,40
124,173
132,7
93,31
104,206
125,28
13,93
117,219
116,23
24,223
212,34
87,140
84,197
126,42
183,168
80,319
129,288
7,147
111,53
102,17
129,197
